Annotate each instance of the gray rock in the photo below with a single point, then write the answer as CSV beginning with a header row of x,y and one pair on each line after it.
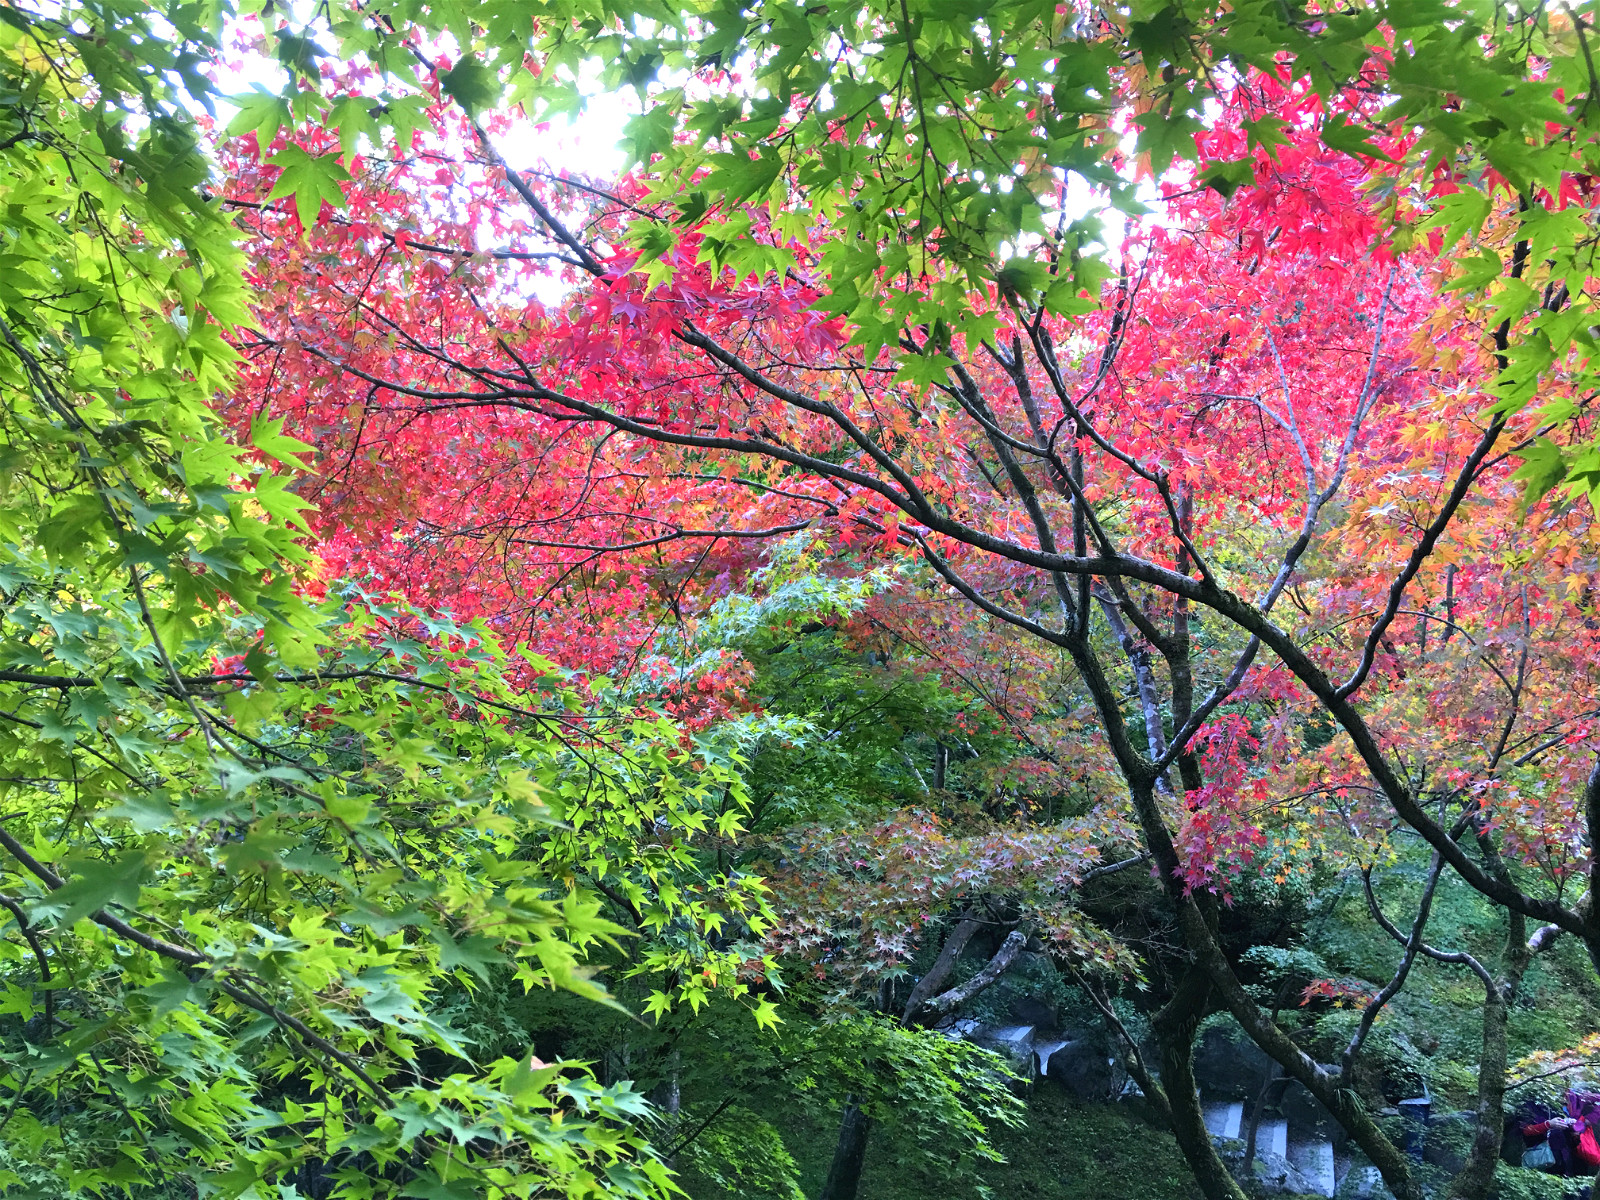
x,y
1230,1068
1082,1066
1307,1115
961,1029
1313,1157
1277,1176
1363,1183
1014,1042
1030,1010
1224,1119
1449,1140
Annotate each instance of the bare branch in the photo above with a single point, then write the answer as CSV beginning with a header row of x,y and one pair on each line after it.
x,y
957,996
1412,945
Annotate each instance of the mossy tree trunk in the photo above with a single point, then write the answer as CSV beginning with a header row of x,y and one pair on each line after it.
x,y
1174,1025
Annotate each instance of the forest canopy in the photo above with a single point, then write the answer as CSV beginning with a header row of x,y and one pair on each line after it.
x,y
998,516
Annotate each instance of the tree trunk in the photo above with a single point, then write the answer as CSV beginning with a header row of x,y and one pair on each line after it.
x,y
1174,1027
1275,1081
945,1004
1195,924
1345,1106
1476,1178
849,1155
674,1085
850,1152
1196,927
928,986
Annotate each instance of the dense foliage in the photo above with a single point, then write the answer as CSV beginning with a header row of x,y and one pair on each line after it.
x,y
518,683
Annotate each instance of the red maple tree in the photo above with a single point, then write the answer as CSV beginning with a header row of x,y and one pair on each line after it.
x,y
1262,483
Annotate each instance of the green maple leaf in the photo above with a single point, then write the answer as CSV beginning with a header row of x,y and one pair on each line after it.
x,y
97,884
428,1186
352,116
310,179
412,1121
1267,133
261,112
477,953
1352,139
471,84
1165,138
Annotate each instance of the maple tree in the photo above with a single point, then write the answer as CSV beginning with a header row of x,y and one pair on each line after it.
x,y
1273,356
1277,487
256,829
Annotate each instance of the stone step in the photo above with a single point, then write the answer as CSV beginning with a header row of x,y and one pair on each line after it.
x,y
1224,1118
1273,1137
1309,1159
1313,1158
